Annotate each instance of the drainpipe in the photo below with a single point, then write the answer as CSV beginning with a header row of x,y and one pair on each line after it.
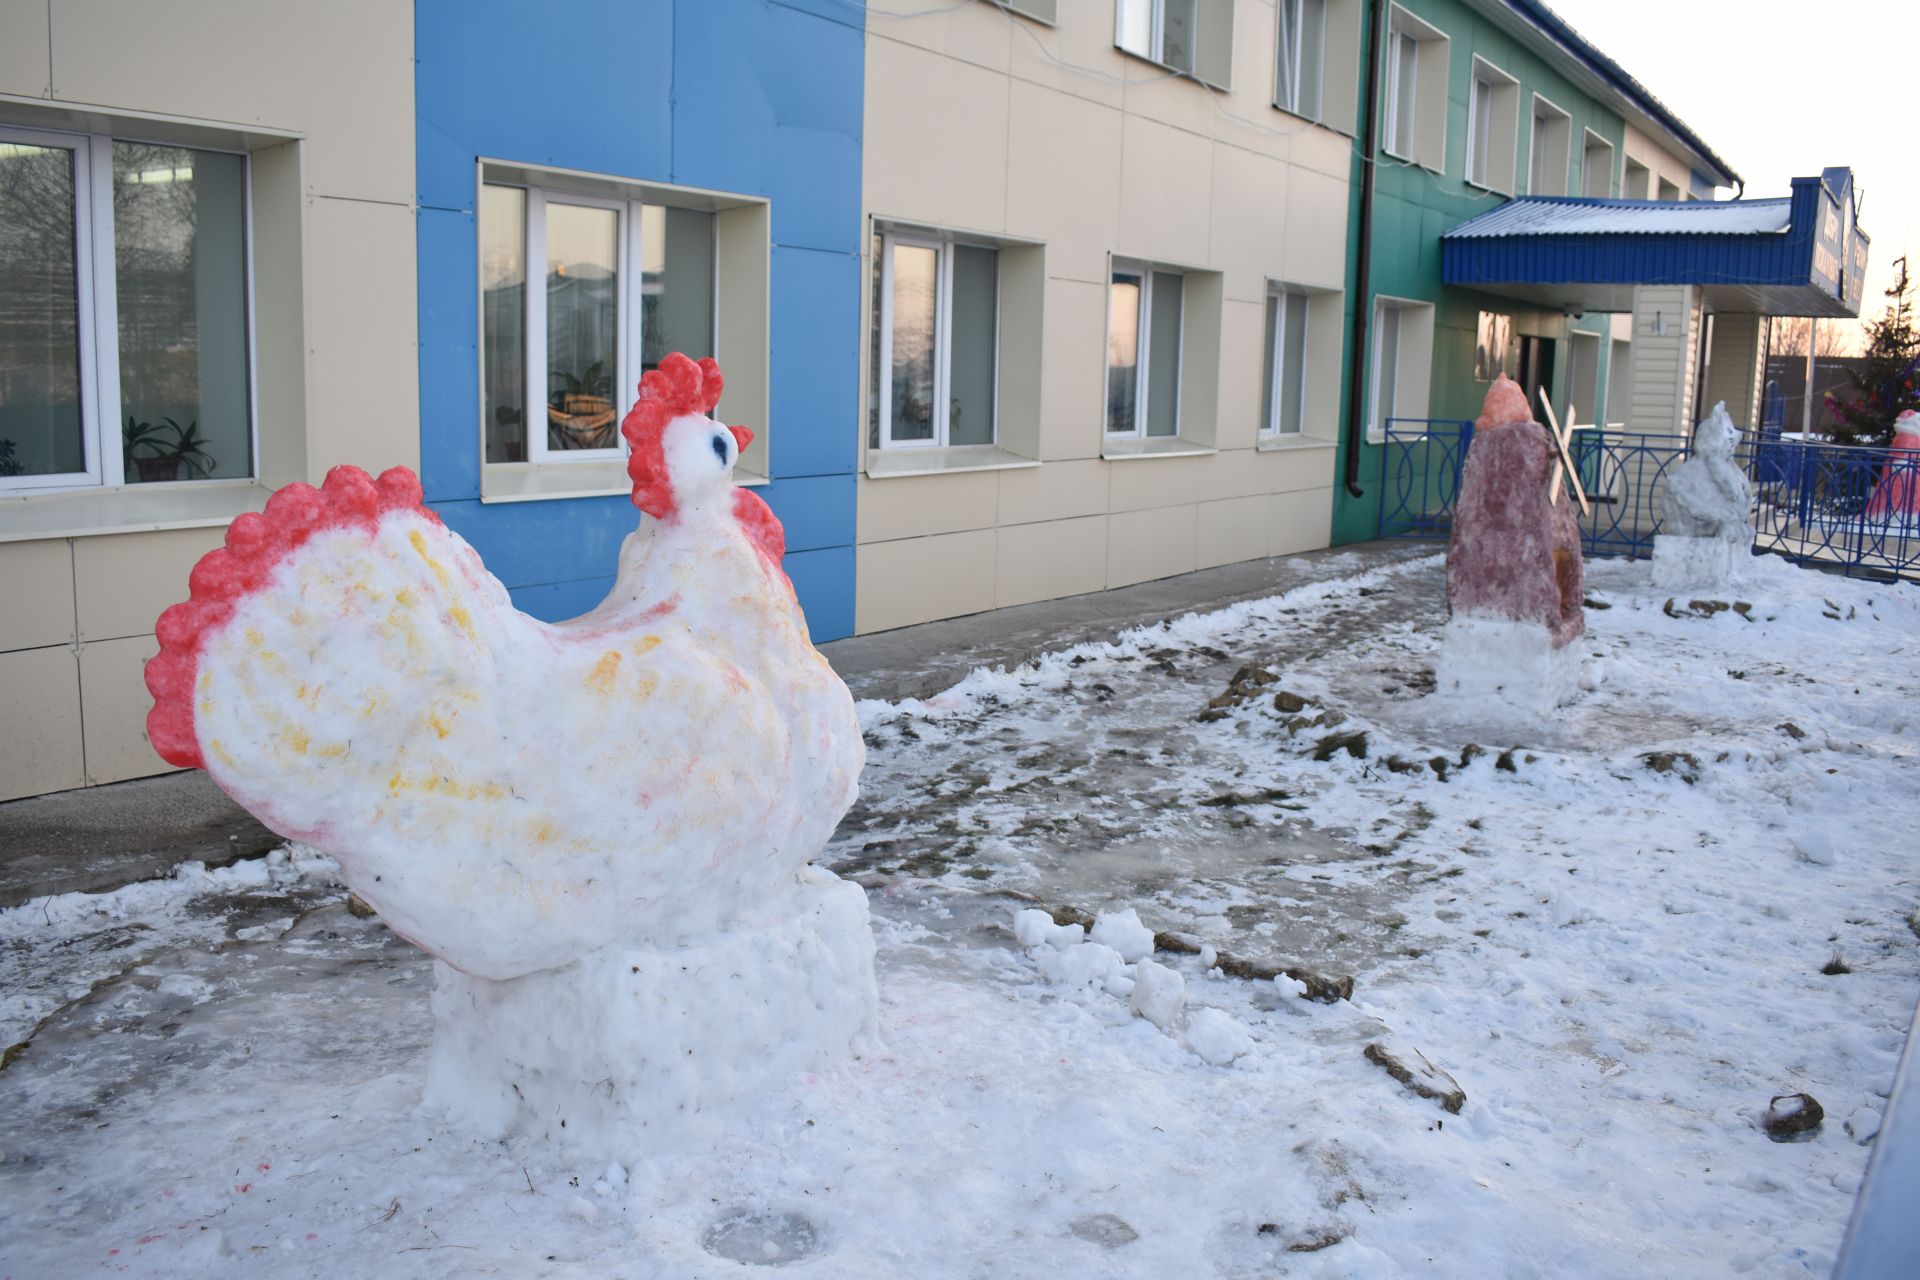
x,y
1362,289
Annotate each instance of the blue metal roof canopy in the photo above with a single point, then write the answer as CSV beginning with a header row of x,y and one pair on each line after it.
x,y
1797,256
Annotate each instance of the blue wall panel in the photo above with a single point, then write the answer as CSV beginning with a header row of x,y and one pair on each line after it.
x,y
756,97
816,366
824,582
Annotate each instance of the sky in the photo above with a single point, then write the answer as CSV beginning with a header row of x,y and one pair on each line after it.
x,y
1783,90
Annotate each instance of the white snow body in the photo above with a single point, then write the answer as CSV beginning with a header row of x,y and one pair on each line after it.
x,y
592,824
1512,661
1706,528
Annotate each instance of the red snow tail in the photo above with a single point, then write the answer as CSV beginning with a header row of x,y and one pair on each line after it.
x,y
256,544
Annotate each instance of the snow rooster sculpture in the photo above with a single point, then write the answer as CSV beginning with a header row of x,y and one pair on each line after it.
x,y
600,828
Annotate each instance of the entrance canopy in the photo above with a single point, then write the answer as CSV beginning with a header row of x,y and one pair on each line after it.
x,y
1800,255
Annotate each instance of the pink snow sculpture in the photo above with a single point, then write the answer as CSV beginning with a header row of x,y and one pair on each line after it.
x,y
600,828
1515,577
1897,495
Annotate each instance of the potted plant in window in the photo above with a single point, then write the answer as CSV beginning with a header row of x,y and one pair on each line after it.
x,y
9,464
162,450
581,415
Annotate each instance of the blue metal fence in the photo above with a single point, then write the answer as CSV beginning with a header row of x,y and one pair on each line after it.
x,y
1844,508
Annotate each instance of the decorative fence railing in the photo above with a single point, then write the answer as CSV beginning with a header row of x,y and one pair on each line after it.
x,y
1850,509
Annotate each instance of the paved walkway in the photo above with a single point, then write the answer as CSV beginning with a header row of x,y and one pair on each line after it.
x,y
102,837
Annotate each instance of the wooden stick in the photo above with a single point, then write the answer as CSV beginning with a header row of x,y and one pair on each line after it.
x,y
1566,459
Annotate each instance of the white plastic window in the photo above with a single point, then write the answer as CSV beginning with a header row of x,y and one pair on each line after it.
x,y
125,340
1144,331
1283,386
937,342
617,284
1301,62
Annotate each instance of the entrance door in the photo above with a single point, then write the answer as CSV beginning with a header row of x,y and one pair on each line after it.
x,y
1536,372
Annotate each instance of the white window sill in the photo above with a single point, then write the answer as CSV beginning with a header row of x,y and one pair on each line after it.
x,y
143,508
1174,72
1126,448
891,464
554,481
1291,441
1487,187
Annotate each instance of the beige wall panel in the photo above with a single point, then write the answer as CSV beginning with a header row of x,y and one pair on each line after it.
x,y
1316,230
124,580
113,708
1231,531
1171,100
36,581
1057,491
910,506
1271,130
277,63
952,167
1073,395
1055,56
1242,366
1159,169
1139,484
40,748
1050,560
25,62
1236,473
1324,151
1063,179
1300,521
973,33
364,368
920,579
1247,191
1143,545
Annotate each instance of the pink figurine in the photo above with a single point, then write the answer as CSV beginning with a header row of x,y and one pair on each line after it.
x,y
1897,495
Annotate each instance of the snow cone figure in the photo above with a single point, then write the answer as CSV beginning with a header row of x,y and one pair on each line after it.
x,y
1896,498
600,828
1515,577
1706,516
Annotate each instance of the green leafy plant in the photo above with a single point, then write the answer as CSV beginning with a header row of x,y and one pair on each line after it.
x,y
594,381
9,465
167,441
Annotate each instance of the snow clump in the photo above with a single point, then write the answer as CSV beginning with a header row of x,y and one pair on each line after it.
x,y
1218,1037
1159,995
1123,931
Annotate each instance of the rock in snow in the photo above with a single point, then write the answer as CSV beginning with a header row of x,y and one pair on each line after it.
x,y
1791,1115
1410,1067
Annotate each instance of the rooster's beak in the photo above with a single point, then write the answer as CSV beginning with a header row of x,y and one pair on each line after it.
x,y
742,436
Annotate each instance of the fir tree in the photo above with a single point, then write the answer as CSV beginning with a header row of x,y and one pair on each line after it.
x,y
1888,378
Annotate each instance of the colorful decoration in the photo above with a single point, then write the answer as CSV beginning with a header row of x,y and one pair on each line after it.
x,y
598,826
1897,495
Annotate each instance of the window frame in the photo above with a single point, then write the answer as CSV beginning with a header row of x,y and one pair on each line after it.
x,y
943,246
1590,142
1144,272
1290,102
1491,83
1390,140
97,319
629,304
1413,361
1275,359
1556,115
1211,61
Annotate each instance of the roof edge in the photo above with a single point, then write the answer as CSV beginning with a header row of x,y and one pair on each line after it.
x,y
1550,24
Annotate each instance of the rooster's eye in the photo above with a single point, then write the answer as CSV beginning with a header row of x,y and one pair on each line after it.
x,y
720,449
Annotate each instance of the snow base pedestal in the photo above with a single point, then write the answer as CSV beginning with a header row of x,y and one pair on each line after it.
x,y
633,1049
1682,561
1516,662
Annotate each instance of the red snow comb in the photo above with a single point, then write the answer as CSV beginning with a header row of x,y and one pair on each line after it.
x,y
677,388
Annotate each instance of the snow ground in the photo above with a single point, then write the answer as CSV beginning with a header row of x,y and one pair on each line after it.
x,y
1619,965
